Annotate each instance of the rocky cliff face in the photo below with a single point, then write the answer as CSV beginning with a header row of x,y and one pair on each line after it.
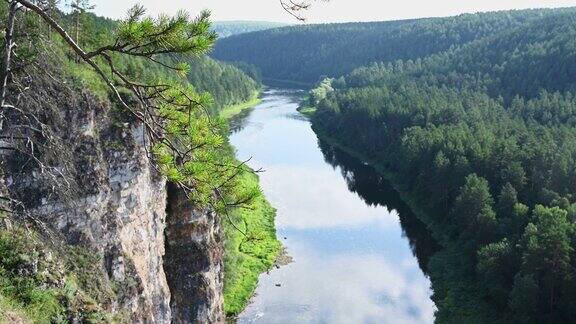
x,y
193,262
98,189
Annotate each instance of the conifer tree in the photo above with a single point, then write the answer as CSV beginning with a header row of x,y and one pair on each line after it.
x,y
188,144
79,9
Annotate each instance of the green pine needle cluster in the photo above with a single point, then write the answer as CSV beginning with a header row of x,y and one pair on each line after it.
x,y
170,34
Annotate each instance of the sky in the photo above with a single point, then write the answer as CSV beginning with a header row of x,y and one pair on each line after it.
x,y
324,11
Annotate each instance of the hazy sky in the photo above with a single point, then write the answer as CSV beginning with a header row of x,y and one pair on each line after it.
x,y
325,11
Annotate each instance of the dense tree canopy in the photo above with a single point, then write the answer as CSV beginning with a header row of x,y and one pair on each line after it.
x,y
227,84
482,135
307,53
229,28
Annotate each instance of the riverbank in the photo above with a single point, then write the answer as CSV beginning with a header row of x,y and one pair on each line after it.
x,y
404,193
382,170
445,266
307,111
234,110
345,246
250,247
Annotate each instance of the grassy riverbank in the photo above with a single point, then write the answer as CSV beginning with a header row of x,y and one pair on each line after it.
x,y
234,110
307,111
250,245
250,252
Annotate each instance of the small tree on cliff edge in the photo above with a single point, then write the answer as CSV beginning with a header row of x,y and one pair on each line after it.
x,y
79,9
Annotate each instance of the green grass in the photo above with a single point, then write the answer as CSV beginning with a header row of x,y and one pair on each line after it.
x,y
22,284
248,256
11,311
307,111
231,111
39,283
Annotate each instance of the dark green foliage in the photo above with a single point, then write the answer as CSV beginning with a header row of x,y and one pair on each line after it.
x,y
308,53
497,263
251,70
227,84
546,250
229,28
507,200
472,211
524,299
482,136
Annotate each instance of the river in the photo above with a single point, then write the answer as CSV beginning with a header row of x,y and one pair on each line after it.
x,y
359,254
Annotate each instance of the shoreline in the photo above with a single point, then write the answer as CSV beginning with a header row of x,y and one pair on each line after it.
x,y
245,261
231,111
405,195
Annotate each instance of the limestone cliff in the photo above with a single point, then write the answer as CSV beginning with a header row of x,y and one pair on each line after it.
x,y
112,201
193,262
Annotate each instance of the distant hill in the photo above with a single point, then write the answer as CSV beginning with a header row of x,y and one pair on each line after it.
x,y
229,28
307,53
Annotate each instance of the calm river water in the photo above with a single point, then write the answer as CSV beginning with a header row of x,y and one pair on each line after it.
x,y
353,241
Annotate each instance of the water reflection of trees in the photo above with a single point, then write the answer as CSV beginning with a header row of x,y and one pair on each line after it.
x,y
373,189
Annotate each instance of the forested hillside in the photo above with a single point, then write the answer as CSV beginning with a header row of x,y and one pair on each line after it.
x,y
227,84
482,139
229,28
306,53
